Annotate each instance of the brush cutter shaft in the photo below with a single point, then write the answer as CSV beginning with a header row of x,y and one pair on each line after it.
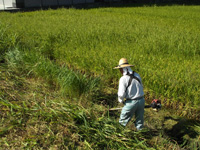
x,y
115,109
146,106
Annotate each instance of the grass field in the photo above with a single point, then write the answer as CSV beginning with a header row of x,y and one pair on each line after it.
x,y
57,77
162,42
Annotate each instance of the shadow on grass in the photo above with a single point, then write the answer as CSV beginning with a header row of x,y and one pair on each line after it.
x,y
150,133
105,99
183,131
109,101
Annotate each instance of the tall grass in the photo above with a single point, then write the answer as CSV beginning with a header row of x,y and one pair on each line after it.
x,y
7,40
75,53
162,42
69,82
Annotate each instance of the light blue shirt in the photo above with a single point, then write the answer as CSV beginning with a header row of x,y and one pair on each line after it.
x,y
135,90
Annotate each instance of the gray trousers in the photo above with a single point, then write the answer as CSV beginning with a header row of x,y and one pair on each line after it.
x,y
130,108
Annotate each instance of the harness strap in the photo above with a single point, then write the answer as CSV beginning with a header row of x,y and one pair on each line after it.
x,y
130,80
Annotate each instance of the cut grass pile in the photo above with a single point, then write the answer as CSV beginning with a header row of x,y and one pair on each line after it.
x,y
35,115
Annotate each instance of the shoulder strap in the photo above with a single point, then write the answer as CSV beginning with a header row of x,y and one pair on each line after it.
x,y
130,80
136,78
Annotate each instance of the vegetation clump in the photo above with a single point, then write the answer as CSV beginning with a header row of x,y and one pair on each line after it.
x,y
57,82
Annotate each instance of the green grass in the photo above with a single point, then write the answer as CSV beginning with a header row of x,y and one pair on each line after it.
x,y
57,81
69,82
162,43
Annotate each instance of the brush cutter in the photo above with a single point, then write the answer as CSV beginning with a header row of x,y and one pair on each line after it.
x,y
155,104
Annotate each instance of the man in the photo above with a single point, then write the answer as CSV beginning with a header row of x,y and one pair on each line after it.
x,y
131,88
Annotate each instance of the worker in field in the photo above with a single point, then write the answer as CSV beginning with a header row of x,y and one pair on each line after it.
x,y
131,94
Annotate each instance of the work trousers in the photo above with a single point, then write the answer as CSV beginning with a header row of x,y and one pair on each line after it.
x,y
130,108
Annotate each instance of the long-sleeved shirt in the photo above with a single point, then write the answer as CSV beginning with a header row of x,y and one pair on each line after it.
x,y
135,90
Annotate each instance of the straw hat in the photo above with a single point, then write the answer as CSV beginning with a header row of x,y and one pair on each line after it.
x,y
123,62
